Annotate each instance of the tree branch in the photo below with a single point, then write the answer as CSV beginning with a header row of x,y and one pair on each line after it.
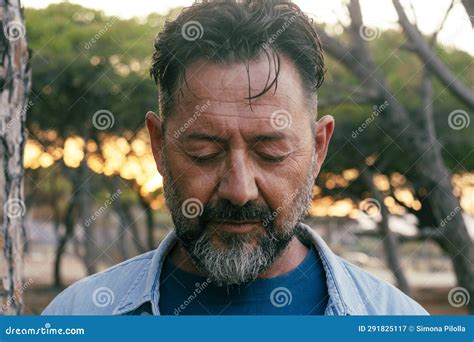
x,y
435,34
469,6
432,61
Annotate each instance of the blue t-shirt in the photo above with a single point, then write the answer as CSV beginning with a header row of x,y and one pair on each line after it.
x,y
302,291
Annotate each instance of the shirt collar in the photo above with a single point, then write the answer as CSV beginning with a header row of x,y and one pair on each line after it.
x,y
344,297
144,289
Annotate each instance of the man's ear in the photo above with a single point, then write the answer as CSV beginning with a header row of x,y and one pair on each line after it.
x,y
324,130
154,126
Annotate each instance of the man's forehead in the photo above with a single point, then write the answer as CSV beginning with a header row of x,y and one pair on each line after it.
x,y
230,85
227,123
228,107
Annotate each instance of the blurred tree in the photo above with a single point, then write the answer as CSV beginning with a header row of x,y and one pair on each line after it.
x,y
91,77
410,131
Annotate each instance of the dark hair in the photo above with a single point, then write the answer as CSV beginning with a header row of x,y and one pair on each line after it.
x,y
237,31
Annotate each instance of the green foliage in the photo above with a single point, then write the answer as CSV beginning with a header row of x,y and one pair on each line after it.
x,y
84,61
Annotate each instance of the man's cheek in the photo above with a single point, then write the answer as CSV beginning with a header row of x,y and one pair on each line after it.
x,y
284,207
197,183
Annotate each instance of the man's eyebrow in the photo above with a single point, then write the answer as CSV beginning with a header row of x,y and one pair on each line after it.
x,y
256,139
269,137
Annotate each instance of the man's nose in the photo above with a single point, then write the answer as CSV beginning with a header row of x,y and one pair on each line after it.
x,y
238,184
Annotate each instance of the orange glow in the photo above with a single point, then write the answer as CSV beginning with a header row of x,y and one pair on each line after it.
x,y
350,174
139,147
340,208
95,163
73,151
405,196
381,182
91,146
397,179
46,160
33,151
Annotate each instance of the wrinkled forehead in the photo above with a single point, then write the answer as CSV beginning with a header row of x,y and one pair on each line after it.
x,y
237,87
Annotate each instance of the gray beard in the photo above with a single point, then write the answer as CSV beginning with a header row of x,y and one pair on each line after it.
x,y
240,260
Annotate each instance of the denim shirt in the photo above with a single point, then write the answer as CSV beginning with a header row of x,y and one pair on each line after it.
x,y
125,288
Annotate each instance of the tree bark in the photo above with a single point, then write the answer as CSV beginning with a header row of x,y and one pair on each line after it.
x,y
15,86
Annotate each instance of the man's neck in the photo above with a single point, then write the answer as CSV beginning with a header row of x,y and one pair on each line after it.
x,y
291,257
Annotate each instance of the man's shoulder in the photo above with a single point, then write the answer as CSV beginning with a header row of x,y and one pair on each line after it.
x,y
378,296
101,293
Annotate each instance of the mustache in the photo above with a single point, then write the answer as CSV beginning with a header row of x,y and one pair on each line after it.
x,y
224,210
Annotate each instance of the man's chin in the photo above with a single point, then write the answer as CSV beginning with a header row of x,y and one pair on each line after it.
x,y
229,257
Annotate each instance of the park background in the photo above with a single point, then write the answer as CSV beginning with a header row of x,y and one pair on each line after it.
x,y
395,196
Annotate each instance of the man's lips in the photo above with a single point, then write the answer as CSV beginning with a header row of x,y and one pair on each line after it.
x,y
231,226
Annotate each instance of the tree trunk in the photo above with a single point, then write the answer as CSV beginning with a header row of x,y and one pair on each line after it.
x,y
149,222
15,85
126,220
389,239
89,256
69,223
124,223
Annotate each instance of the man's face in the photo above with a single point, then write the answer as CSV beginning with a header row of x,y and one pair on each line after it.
x,y
238,178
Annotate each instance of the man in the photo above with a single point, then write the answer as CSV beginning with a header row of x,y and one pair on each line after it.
x,y
239,149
